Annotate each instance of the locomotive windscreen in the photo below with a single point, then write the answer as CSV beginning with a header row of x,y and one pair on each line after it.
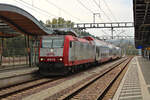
x,y
52,42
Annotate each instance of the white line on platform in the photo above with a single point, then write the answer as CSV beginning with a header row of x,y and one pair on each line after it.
x,y
117,94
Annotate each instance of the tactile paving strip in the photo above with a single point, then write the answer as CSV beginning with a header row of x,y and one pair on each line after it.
x,y
131,89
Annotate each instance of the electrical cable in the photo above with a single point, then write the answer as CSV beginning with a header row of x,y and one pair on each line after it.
x,y
62,10
84,6
38,8
109,10
102,11
32,8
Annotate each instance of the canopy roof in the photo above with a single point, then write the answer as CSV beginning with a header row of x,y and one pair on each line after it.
x,y
14,20
142,22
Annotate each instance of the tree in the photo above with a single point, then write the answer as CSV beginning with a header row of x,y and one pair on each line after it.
x,y
62,23
59,23
48,23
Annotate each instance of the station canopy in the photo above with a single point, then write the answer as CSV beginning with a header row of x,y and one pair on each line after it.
x,y
141,10
14,20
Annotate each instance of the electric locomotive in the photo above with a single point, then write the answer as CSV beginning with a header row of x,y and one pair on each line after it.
x,y
61,54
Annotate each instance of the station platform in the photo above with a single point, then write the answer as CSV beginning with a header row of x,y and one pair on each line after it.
x,y
135,85
13,76
11,72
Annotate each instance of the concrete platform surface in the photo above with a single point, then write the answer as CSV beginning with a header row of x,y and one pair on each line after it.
x,y
136,83
17,71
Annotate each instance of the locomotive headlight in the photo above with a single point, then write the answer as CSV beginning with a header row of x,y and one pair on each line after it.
x,y
60,59
41,59
51,50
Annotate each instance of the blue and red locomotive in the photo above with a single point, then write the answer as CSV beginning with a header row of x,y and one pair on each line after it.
x,y
60,54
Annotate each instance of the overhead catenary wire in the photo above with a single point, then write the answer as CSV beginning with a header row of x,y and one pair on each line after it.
x,y
50,14
113,16
51,3
89,11
122,33
46,14
44,11
38,8
102,10
84,6
103,30
108,16
109,10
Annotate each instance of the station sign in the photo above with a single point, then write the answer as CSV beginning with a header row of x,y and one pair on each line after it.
x,y
139,47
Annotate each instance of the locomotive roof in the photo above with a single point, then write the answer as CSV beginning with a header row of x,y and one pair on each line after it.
x,y
104,44
87,39
78,39
65,31
70,37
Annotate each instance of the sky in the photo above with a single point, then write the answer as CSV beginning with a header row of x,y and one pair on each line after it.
x,y
81,11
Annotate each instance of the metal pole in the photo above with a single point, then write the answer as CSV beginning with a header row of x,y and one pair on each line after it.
x,y
29,51
94,17
2,45
26,49
112,29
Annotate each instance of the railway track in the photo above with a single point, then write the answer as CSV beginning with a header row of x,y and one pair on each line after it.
x,y
76,90
97,87
4,92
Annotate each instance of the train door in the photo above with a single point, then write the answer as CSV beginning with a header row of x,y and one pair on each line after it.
x,y
97,53
76,49
72,51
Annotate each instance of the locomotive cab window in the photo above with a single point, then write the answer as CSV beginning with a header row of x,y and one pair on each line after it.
x,y
53,42
58,43
46,43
